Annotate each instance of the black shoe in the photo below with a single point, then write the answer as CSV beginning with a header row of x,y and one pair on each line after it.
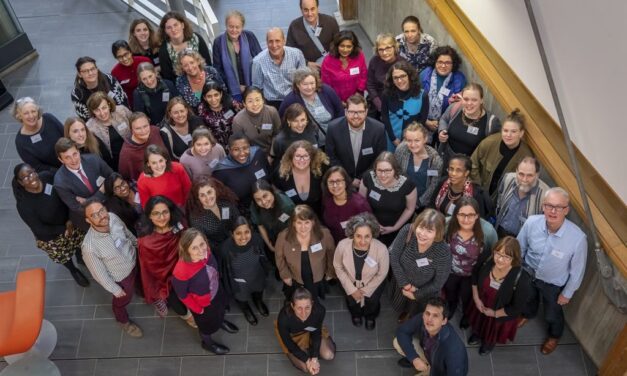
x,y
261,307
404,363
370,324
215,348
79,278
463,323
229,327
474,340
485,349
250,316
357,321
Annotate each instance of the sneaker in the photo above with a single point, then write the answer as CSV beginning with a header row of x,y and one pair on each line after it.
x,y
132,330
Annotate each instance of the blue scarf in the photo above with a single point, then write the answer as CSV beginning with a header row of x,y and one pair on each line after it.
x,y
229,69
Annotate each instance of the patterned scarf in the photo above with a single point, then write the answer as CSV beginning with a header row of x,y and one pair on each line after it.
x,y
467,191
435,98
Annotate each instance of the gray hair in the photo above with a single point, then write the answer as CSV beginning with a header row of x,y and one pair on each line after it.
x,y
557,190
361,220
299,75
20,103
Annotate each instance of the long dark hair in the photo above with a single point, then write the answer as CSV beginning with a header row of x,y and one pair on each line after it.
x,y
263,185
453,225
147,227
103,83
226,101
223,193
412,76
348,186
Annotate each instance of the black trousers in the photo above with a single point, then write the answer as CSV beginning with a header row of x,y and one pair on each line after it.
x,y
553,312
456,288
372,304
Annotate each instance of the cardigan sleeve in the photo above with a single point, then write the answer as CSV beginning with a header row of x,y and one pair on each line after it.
x,y
520,296
396,250
340,271
363,73
165,63
442,264
383,262
281,264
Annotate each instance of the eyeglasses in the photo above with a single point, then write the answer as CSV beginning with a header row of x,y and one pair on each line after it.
x,y
304,157
384,49
399,77
160,214
444,63
122,185
89,70
356,113
557,209
123,56
384,172
502,256
100,213
30,176
335,183
466,216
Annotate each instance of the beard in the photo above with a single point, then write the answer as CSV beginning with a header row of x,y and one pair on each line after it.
x,y
525,188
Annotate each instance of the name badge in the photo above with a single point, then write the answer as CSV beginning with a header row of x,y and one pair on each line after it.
x,y
343,224
165,97
558,254
48,189
450,210
284,217
432,172
260,174
318,31
367,151
156,61
229,114
118,243
124,82
472,130
100,180
310,329
371,262
122,126
239,280
137,200
354,71
35,138
316,247
266,127
111,94
315,146
187,138
213,163
226,213
375,195
179,225
495,285
422,262
291,193
444,91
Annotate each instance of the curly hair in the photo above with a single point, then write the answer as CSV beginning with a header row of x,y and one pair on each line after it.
x,y
362,220
412,75
448,51
178,68
299,75
317,159
223,193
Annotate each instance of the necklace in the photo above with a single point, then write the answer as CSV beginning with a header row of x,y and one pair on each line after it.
x,y
454,196
198,79
358,255
497,279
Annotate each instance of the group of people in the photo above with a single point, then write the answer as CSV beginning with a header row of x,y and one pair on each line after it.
x,y
389,177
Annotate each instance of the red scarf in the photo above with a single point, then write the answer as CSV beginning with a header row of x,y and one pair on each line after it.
x,y
468,191
158,254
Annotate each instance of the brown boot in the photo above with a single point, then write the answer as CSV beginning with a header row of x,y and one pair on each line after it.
x,y
549,345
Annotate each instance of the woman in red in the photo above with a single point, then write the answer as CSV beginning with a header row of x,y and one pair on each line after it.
x,y
158,254
162,177
500,289
125,70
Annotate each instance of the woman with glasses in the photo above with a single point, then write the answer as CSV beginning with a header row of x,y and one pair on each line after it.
x,y
258,121
153,93
500,290
340,202
467,236
442,80
162,177
40,207
123,200
270,211
385,55
76,130
391,196
125,71
296,127
192,75
344,68
300,173
404,103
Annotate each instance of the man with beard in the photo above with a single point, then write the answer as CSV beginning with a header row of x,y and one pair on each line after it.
x,y
520,196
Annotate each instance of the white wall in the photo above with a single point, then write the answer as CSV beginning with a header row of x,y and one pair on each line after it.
x,y
587,52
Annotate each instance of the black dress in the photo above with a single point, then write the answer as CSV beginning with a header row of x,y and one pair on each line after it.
x,y
313,198
215,229
38,149
244,267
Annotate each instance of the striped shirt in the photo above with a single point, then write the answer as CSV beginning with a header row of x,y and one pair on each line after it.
x,y
276,80
110,256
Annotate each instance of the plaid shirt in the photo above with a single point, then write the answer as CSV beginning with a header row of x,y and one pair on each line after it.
x,y
276,80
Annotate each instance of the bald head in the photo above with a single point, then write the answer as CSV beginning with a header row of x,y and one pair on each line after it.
x,y
275,32
275,40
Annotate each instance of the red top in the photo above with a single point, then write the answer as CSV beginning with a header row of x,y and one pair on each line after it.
x,y
174,184
128,76
345,82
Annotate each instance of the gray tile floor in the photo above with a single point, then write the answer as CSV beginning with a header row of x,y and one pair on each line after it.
x,y
90,342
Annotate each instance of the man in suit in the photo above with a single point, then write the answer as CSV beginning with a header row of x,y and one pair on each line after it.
x,y
365,135
81,177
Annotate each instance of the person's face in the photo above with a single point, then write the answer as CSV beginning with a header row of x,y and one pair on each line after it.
x,y
299,123
433,318
202,146
386,51
160,215
336,184
264,199
362,238
254,103
157,164
526,177
28,178
501,259
148,78
207,196
444,65
384,172
190,66
242,235
97,215
198,249
425,236
301,159
174,29
88,72
275,41
78,133
457,172
310,11
141,130
103,111
467,216
303,226
29,115
141,32
213,98
511,134
240,150
415,141
356,114
555,208
472,101
302,308
400,79
307,86
121,188
234,27
124,56
71,158
178,114
411,32
345,48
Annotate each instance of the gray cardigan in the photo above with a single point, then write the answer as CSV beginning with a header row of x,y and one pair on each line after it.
x,y
403,154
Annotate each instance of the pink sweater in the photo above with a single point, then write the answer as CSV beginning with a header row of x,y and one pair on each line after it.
x,y
345,82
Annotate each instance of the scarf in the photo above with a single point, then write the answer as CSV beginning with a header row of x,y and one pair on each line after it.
x,y
158,255
435,96
232,77
467,191
146,92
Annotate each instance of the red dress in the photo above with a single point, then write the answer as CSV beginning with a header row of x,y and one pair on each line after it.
x,y
489,329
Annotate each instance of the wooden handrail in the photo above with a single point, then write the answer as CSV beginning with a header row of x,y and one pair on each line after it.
x,y
543,134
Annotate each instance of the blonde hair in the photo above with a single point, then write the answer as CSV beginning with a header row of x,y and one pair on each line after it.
x,y
317,158
178,68
385,38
